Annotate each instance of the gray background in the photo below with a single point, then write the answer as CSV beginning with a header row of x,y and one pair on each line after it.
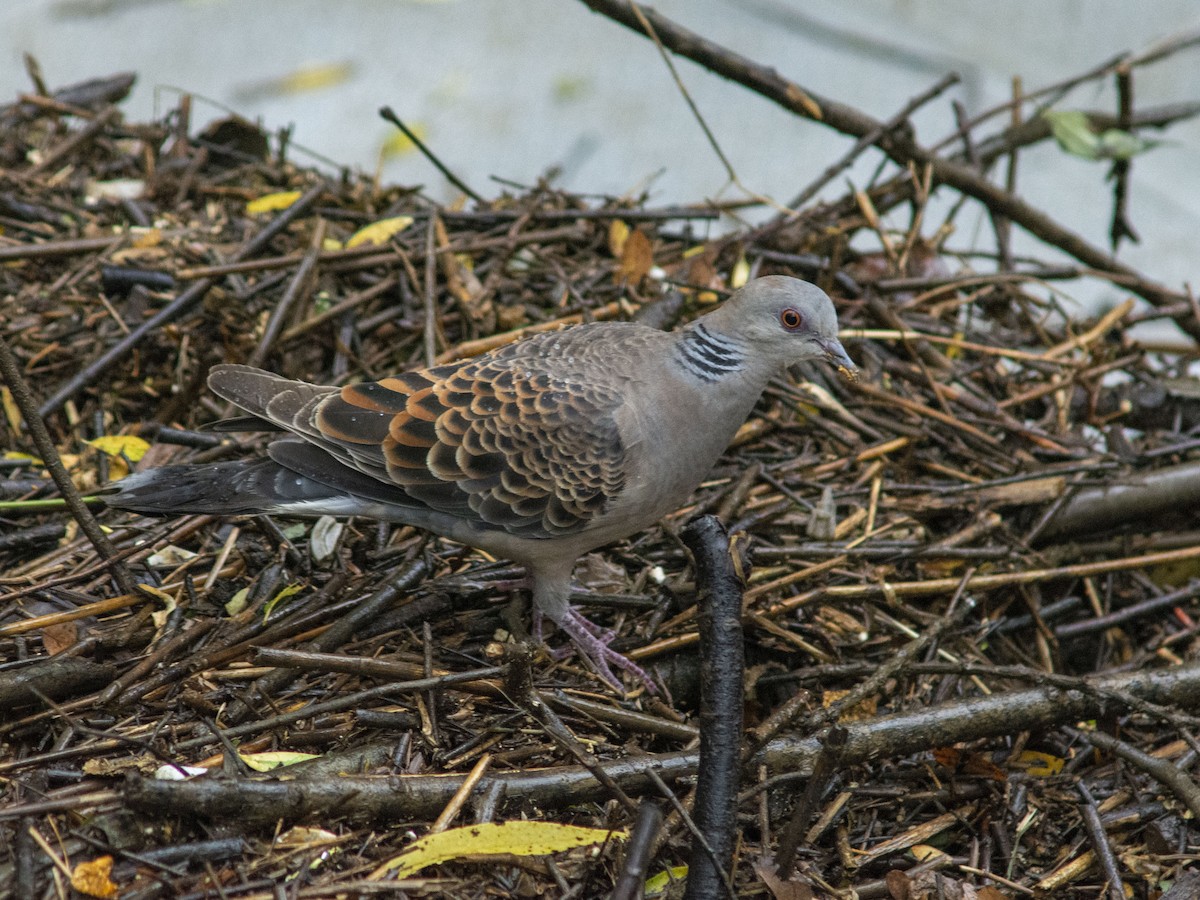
x,y
513,88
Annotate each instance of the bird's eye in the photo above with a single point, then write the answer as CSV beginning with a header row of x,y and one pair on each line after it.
x,y
791,319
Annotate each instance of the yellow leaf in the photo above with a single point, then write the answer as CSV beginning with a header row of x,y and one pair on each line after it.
x,y
145,238
1039,765
399,144
11,412
923,852
379,233
92,878
740,274
129,446
237,602
618,232
953,351
657,884
272,202
515,838
314,78
280,597
14,454
117,469
274,759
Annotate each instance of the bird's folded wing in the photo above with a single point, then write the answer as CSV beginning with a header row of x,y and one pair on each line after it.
x,y
492,441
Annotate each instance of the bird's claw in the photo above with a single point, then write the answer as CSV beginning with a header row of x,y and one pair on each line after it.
x,y
592,644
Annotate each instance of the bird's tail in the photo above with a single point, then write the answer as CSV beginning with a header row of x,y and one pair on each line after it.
x,y
243,487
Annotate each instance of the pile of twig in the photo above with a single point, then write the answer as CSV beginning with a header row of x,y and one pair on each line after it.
x,y
972,588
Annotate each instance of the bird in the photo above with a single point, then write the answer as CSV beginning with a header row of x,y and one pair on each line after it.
x,y
538,452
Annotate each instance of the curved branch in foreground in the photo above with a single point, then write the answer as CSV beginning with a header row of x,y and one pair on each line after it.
x,y
416,796
722,691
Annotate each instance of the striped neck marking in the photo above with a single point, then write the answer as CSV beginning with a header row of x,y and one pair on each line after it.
x,y
709,356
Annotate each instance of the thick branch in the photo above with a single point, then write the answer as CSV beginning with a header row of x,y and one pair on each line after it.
x,y
415,796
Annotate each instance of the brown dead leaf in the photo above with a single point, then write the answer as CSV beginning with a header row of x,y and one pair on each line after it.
x,y
115,768
899,885
780,889
57,638
92,878
698,269
462,282
968,763
637,258
864,709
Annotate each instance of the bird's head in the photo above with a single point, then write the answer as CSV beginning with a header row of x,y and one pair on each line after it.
x,y
785,320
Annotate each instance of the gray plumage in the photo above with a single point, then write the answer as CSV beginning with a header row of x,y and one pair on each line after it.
x,y
536,452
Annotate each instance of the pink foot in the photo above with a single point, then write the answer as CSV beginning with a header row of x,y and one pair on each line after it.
x,y
591,642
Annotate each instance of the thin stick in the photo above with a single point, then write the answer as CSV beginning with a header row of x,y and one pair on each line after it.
x,y
872,137
388,115
902,149
687,98
178,307
430,293
299,286
11,371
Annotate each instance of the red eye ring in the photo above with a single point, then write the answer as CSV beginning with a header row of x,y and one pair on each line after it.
x,y
791,319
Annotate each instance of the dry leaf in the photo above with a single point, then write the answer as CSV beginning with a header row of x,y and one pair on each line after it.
x,y
92,878
116,768
398,143
379,233
618,233
516,838
779,888
60,637
864,709
637,258
272,202
274,759
968,763
129,446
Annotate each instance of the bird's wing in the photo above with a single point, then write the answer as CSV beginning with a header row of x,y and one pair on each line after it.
x,y
502,441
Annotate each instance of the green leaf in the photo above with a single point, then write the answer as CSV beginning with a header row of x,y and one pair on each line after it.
x,y
1121,145
1074,134
286,592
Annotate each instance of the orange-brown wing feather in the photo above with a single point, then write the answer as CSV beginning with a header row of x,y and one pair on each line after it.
x,y
498,441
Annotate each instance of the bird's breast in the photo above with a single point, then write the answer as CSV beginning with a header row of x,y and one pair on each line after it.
x,y
672,438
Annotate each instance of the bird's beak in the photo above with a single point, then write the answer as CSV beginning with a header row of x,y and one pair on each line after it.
x,y
836,354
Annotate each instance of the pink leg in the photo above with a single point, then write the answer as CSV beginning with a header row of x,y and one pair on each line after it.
x,y
592,644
